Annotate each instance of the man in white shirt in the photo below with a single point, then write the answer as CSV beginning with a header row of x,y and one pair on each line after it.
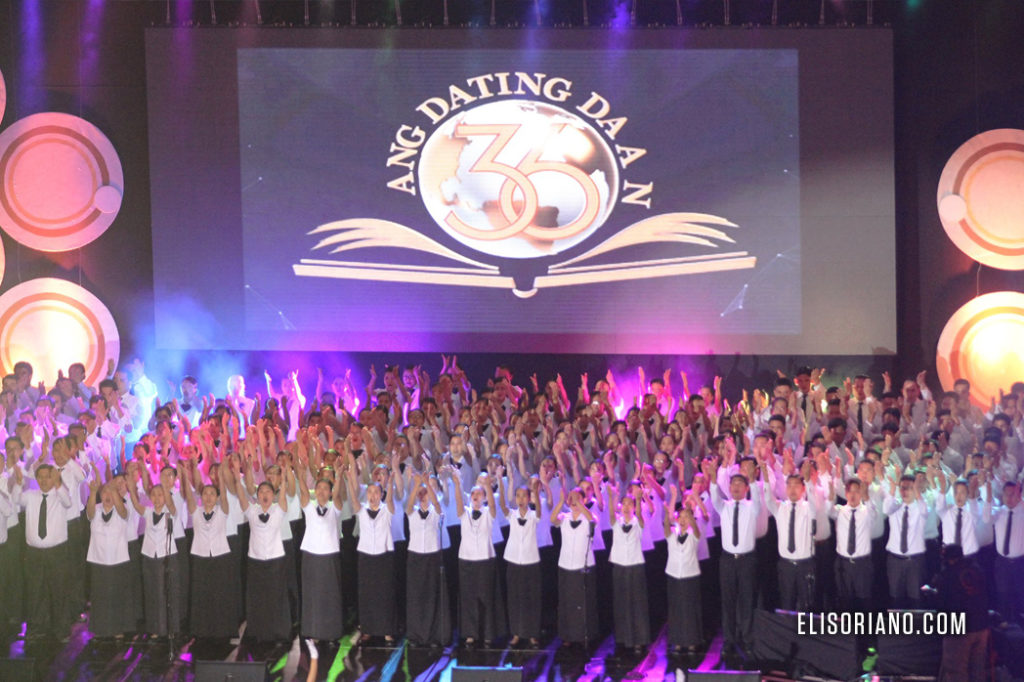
x,y
795,521
46,535
905,561
1008,521
959,521
738,563
853,546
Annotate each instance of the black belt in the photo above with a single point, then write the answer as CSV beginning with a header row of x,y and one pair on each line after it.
x,y
738,556
905,558
853,560
1010,558
797,562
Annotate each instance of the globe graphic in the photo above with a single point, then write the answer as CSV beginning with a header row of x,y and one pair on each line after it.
x,y
518,179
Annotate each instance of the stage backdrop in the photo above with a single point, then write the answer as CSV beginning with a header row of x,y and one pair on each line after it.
x,y
611,192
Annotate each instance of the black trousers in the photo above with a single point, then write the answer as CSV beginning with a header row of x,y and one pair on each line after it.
x,y
906,575
46,589
1009,587
796,584
77,547
853,580
481,615
12,576
826,594
737,577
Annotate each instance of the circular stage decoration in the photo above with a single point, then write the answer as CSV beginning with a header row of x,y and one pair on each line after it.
x,y
60,182
983,342
52,323
981,198
3,96
3,261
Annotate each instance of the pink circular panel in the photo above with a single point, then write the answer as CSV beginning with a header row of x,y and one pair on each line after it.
x,y
983,342
60,182
3,96
53,323
3,261
981,198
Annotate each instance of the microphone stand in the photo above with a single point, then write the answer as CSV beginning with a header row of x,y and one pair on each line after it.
x,y
168,597
586,572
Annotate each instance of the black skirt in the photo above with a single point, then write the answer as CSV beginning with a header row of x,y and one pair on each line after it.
x,y
112,612
321,596
214,613
524,600
237,595
162,594
266,600
481,611
632,627
377,594
427,619
685,626
577,605
135,581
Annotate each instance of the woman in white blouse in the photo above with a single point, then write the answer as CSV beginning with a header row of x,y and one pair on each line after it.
x,y
632,628
522,567
683,572
479,602
427,619
321,559
267,615
161,585
110,614
376,552
213,609
577,581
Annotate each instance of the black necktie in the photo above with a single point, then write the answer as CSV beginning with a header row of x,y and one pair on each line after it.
x,y
424,513
860,417
107,516
521,522
905,530
851,539
42,518
264,517
958,534
157,517
373,512
626,527
803,404
682,538
575,524
476,514
791,547
1006,537
207,515
458,465
321,511
736,524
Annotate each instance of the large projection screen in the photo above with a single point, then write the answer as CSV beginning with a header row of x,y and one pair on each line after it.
x,y
662,192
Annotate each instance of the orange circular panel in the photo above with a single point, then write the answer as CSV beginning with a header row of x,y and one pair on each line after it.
x,y
3,261
3,96
981,198
60,182
53,323
984,343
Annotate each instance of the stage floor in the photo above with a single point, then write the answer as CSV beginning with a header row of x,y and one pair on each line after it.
x,y
83,657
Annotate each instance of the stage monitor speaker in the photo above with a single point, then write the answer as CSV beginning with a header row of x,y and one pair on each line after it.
x,y
777,639
465,673
18,669
231,671
723,676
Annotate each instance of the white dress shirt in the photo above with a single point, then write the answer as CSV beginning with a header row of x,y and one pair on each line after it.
x,y
155,538
210,537
521,548
374,534
865,514
626,544
9,503
265,541
968,527
323,528
999,519
747,510
803,527
108,543
424,533
476,543
682,554
918,517
58,510
577,551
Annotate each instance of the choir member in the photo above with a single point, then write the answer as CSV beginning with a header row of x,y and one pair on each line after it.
x,y
110,615
376,558
267,614
522,568
1008,521
854,520
161,585
577,583
427,618
213,609
685,630
795,519
321,559
479,606
46,535
959,521
632,629
906,559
